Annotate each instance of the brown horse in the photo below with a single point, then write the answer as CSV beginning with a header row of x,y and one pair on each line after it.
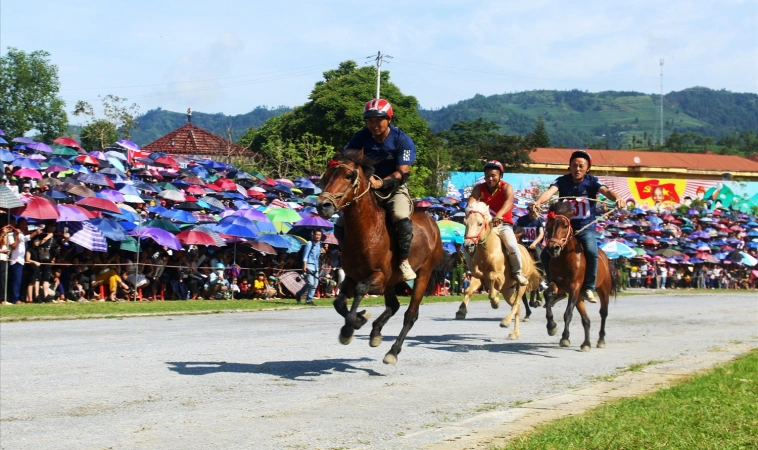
x,y
368,250
567,265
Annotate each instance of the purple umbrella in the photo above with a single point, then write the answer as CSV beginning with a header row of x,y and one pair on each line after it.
x,y
71,214
161,237
2,133
98,155
88,236
313,222
40,147
110,194
22,140
55,168
127,144
700,235
252,214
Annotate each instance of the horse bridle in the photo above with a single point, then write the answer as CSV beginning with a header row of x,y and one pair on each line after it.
x,y
476,238
354,185
569,231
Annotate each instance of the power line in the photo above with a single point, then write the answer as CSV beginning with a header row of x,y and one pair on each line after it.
x,y
379,58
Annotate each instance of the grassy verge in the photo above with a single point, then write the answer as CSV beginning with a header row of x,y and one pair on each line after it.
x,y
717,410
51,311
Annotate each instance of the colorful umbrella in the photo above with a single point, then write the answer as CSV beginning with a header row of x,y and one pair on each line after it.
x,y
73,213
99,204
25,163
38,208
203,229
174,196
282,215
110,229
195,237
88,236
236,226
28,173
161,237
262,247
40,147
179,215
110,194
163,225
615,249
67,141
314,222
64,151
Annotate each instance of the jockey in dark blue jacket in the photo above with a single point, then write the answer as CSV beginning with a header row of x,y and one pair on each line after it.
x,y
582,189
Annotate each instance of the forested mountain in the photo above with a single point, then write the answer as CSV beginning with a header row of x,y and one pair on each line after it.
x,y
158,122
612,119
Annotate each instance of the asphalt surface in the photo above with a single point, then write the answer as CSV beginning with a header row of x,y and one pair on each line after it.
x,y
280,379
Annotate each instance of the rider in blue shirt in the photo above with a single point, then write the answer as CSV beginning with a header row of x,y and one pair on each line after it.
x,y
393,152
584,188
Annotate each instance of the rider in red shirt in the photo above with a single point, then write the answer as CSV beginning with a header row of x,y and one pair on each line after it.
x,y
498,195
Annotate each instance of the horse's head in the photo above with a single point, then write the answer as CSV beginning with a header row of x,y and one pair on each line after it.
x,y
477,221
558,227
347,173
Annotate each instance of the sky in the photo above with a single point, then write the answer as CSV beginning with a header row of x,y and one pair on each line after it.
x,y
230,56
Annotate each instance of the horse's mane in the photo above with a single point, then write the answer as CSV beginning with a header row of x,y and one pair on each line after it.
x,y
355,156
562,209
480,207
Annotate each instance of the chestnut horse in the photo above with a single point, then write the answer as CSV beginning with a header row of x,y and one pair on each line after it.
x,y
489,265
368,250
567,265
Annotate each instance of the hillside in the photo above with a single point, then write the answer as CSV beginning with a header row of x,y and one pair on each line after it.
x,y
577,119
572,118
158,122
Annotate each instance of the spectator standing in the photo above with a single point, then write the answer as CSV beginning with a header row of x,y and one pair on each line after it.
x,y
17,258
5,251
311,256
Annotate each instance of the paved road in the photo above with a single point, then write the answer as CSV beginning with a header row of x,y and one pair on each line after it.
x,y
280,380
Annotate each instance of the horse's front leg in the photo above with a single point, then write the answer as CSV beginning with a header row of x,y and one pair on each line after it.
x,y
574,292
497,280
391,306
552,327
513,296
472,287
353,319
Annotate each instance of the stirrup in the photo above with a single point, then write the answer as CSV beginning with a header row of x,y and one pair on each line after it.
x,y
520,278
589,295
407,271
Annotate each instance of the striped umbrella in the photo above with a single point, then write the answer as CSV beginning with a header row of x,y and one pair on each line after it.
x,y
88,236
202,229
8,199
203,218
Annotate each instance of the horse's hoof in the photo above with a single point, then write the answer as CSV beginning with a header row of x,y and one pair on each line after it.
x,y
600,344
495,305
505,324
552,331
346,340
526,319
565,342
586,347
460,316
389,358
513,336
375,341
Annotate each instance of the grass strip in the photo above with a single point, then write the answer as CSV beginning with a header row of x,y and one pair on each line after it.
x,y
60,311
717,410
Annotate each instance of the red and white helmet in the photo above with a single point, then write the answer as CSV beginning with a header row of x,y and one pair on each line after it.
x,y
493,164
377,107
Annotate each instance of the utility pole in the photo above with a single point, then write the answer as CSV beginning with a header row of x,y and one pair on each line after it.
x,y
661,141
379,58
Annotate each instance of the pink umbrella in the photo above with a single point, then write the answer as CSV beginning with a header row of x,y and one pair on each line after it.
x,y
28,173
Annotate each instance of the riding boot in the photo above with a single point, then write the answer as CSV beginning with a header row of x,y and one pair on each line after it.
x,y
339,234
515,261
404,231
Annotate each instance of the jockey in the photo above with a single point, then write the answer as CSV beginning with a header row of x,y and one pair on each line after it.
x,y
394,152
584,188
498,195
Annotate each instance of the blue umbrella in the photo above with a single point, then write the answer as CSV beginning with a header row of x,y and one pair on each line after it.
x,y
199,171
3,141
129,190
294,243
179,215
274,240
236,226
58,161
26,163
110,229
6,156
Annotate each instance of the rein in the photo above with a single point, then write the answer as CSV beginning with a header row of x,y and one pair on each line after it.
x,y
569,234
476,238
334,198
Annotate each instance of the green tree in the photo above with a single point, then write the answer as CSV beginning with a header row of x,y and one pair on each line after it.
x,y
29,98
119,117
511,150
539,135
465,139
334,113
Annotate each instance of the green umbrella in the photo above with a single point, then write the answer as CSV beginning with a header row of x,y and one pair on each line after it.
x,y
283,215
640,252
163,225
451,231
258,175
59,150
130,245
168,186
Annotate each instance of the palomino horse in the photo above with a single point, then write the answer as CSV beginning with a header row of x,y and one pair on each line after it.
x,y
567,265
488,264
368,250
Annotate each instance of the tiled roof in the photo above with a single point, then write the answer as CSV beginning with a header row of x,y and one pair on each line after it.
x,y
694,161
192,140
